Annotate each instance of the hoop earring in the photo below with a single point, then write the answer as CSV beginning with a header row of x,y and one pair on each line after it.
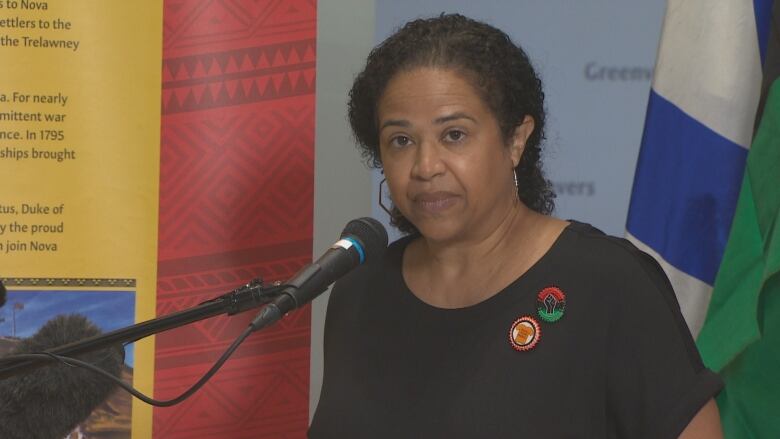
x,y
381,197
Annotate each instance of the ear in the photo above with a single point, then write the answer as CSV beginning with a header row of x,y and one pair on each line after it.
x,y
519,138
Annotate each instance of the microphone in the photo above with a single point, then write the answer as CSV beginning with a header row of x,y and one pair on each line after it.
x,y
50,401
363,239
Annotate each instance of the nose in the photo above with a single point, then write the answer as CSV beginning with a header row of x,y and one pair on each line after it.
x,y
428,161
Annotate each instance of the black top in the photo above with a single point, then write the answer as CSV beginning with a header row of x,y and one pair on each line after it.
x,y
620,362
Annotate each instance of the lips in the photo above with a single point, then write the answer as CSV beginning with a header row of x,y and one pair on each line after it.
x,y
435,202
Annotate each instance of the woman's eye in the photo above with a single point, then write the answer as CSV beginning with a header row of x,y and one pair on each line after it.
x,y
400,141
454,135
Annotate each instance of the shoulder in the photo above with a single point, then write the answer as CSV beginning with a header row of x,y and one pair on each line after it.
x,y
616,273
599,249
364,290
610,259
371,274
636,288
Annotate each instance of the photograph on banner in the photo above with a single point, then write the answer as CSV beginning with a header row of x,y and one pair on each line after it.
x,y
26,321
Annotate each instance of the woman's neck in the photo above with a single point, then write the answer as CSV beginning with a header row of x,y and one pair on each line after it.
x,y
456,274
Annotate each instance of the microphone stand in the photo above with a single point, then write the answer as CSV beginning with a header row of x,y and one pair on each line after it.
x,y
244,298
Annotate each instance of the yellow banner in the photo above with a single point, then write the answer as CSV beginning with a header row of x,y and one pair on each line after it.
x,y
79,155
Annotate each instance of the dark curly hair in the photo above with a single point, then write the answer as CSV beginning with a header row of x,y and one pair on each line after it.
x,y
488,59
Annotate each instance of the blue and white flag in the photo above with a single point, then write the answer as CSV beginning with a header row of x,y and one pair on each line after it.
x,y
700,120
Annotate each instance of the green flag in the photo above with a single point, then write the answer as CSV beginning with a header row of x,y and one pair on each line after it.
x,y
741,334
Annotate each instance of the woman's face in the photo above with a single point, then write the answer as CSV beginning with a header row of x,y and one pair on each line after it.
x,y
447,167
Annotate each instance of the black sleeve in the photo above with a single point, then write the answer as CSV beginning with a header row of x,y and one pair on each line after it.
x,y
656,380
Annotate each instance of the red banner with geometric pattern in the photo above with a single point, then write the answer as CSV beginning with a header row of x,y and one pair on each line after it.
x,y
236,200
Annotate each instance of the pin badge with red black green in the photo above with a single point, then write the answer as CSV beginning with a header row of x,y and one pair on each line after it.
x,y
524,333
550,304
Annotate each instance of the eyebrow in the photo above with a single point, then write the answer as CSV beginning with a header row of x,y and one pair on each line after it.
x,y
395,123
453,116
439,120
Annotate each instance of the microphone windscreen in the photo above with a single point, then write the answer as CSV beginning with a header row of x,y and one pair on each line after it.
x,y
50,401
371,233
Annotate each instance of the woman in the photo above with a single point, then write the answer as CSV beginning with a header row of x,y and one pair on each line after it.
x,y
492,318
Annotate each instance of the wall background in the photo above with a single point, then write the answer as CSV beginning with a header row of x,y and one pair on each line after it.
x,y
342,185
